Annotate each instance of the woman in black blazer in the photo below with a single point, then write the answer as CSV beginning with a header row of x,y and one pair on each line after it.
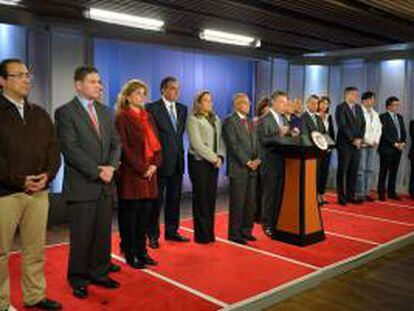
x,y
323,110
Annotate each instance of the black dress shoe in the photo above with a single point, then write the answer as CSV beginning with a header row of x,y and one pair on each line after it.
x,y
80,292
176,237
342,202
239,241
148,260
382,197
395,197
269,232
46,304
249,237
114,268
135,262
106,283
369,198
153,243
356,201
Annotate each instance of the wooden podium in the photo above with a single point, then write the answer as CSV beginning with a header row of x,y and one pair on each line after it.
x,y
299,220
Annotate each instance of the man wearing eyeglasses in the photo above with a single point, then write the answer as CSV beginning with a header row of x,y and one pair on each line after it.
x,y
29,160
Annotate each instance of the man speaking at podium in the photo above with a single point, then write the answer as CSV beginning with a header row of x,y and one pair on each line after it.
x,y
273,167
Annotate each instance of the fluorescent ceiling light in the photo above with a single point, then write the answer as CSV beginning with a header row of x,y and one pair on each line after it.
x,y
228,38
124,19
10,2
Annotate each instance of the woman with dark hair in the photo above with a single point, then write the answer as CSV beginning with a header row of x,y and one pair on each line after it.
x,y
137,179
205,157
323,111
261,109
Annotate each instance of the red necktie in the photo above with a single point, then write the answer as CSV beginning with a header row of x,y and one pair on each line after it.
x,y
93,117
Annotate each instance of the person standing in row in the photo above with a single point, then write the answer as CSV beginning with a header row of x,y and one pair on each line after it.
x,y
29,161
91,150
310,121
261,109
243,165
272,126
351,130
323,111
391,146
373,129
170,118
205,157
137,179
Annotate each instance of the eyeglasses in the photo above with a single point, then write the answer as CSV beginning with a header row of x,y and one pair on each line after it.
x,y
21,76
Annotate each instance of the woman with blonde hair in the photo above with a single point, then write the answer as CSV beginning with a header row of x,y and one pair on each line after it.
x,y
205,157
137,178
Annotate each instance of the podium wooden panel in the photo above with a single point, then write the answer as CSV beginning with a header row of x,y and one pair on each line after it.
x,y
299,220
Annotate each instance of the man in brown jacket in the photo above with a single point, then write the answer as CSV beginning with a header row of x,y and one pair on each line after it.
x,y
29,160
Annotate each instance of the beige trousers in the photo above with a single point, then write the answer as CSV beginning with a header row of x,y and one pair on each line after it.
x,y
29,213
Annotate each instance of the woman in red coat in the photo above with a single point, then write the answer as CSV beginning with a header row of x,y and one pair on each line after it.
x,y
137,178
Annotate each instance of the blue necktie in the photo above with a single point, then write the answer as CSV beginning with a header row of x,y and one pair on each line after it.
x,y
172,117
397,125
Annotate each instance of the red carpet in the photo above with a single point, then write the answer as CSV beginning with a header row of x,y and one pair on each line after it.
x,y
208,277
139,291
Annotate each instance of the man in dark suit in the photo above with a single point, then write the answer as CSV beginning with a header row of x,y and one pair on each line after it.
x,y
243,164
351,130
392,143
91,150
310,121
170,118
271,126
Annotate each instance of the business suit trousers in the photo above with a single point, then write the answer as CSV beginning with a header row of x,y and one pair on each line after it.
x,y
203,177
272,196
323,172
133,225
90,240
411,185
258,194
169,188
389,163
346,179
29,213
242,205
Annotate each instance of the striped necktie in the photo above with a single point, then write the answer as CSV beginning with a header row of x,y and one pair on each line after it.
x,y
93,117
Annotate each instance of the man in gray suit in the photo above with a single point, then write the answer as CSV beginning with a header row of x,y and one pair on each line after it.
x,y
270,127
243,163
91,150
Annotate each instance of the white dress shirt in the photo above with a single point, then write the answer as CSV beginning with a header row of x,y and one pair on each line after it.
x,y
277,117
241,116
19,106
168,105
373,126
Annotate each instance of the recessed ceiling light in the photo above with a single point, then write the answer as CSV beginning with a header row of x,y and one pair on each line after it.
x,y
124,19
229,38
10,2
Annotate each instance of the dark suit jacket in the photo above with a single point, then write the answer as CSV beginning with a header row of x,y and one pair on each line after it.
x,y
84,150
130,181
350,126
267,131
241,145
171,141
389,134
411,152
307,125
331,129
